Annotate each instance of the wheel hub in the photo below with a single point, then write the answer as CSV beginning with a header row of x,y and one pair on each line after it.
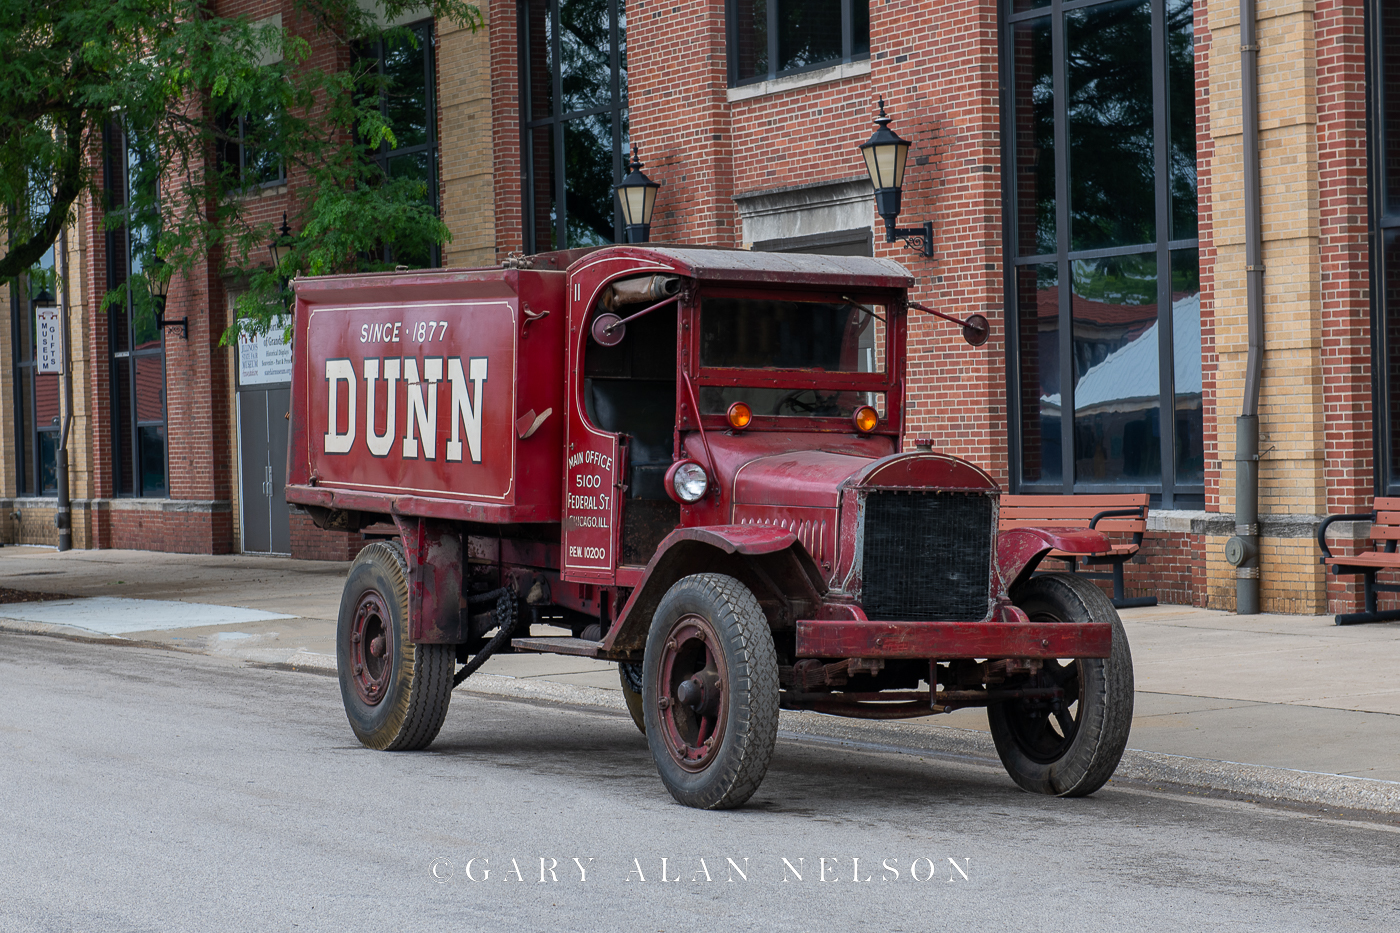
x,y
692,704
369,649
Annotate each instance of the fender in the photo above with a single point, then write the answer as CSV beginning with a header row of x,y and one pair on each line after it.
x,y
769,561
1020,550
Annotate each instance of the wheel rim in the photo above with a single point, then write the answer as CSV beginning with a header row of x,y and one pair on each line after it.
x,y
693,701
1045,728
370,644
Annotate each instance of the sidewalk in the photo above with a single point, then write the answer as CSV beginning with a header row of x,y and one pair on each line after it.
x,y
1215,691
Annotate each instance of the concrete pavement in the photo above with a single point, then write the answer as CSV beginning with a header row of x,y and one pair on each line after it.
x,y
1274,706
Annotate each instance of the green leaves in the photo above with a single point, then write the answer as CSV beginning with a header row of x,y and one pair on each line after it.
x,y
177,79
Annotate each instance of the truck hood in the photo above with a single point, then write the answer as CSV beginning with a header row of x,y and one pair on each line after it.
x,y
803,478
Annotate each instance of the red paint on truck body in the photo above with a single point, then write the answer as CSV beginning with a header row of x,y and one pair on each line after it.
x,y
453,401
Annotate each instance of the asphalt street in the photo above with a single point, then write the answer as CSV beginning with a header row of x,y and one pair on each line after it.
x,y
143,789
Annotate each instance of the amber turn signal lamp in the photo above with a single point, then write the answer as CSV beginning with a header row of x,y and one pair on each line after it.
x,y
865,418
740,415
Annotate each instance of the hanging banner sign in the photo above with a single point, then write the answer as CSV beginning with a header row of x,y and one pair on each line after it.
x,y
265,358
48,332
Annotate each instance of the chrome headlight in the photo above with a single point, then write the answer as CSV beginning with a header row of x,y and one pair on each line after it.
x,y
688,481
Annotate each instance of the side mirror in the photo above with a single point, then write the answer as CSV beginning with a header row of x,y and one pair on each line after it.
x,y
975,330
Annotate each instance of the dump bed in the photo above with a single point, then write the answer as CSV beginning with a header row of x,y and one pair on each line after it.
x,y
437,394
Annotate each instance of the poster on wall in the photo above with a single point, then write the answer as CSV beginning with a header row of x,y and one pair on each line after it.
x,y
48,334
264,359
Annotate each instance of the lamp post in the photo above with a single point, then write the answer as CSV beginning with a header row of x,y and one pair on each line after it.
x,y
636,195
158,281
280,248
885,157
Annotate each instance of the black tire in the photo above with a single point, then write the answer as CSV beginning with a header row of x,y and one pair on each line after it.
x,y
395,693
1071,751
710,692
631,676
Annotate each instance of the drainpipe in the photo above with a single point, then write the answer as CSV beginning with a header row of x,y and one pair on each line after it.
x,y
63,517
1243,549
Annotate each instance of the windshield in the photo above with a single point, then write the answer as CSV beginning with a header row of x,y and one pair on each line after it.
x,y
758,333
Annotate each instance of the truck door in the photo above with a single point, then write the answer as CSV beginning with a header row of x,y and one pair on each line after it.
x,y
620,440
591,501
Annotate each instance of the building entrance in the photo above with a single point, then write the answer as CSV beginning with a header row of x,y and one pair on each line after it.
x,y
262,443
264,397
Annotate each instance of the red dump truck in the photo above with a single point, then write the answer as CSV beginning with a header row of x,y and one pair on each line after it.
x,y
688,461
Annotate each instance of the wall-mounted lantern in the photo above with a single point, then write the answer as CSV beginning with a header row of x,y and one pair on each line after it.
x,y
158,281
280,248
885,156
636,195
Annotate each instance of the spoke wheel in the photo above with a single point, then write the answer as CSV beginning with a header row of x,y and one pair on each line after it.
x,y
1068,745
395,693
1046,728
710,692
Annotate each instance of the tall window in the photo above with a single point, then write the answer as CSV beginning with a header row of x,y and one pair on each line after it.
x,y
407,101
1099,137
768,38
1383,80
573,66
136,344
37,407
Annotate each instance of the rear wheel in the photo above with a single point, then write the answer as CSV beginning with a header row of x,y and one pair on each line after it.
x,y
1069,745
710,692
395,693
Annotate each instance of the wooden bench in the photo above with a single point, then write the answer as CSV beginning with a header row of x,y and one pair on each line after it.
x,y
1123,512
1385,531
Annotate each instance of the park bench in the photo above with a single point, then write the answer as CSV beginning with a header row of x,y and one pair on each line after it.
x,y
1123,512
1385,531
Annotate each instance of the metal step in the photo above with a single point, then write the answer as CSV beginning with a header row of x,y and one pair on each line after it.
x,y
581,647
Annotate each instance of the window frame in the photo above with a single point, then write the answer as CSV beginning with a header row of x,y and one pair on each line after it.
x,y
29,463
121,315
731,38
236,126
426,32
1378,222
1166,493
616,109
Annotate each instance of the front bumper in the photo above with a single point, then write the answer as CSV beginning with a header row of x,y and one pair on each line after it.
x,y
991,638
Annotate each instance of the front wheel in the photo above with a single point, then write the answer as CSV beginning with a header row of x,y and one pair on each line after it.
x,y
1067,746
395,693
710,692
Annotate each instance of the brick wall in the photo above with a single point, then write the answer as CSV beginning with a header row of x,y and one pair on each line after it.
x,y
1345,292
311,543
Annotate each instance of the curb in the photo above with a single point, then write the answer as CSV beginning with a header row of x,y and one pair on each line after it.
x,y
1138,768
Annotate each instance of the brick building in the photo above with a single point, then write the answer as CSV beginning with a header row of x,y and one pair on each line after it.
x,y
1083,166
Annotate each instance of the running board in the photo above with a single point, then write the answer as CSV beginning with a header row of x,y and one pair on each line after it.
x,y
579,647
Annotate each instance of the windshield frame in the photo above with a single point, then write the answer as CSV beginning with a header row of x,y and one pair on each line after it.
x,y
890,382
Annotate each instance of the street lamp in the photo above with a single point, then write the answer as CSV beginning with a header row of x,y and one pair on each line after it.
x,y
637,197
158,281
885,157
280,248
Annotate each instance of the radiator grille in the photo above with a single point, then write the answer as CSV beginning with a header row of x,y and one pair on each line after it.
x,y
927,556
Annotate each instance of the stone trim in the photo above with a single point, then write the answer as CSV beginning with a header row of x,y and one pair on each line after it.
x,y
1278,525
805,211
50,503
838,72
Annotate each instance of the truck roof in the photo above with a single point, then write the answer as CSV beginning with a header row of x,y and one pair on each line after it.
x,y
741,265
698,262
